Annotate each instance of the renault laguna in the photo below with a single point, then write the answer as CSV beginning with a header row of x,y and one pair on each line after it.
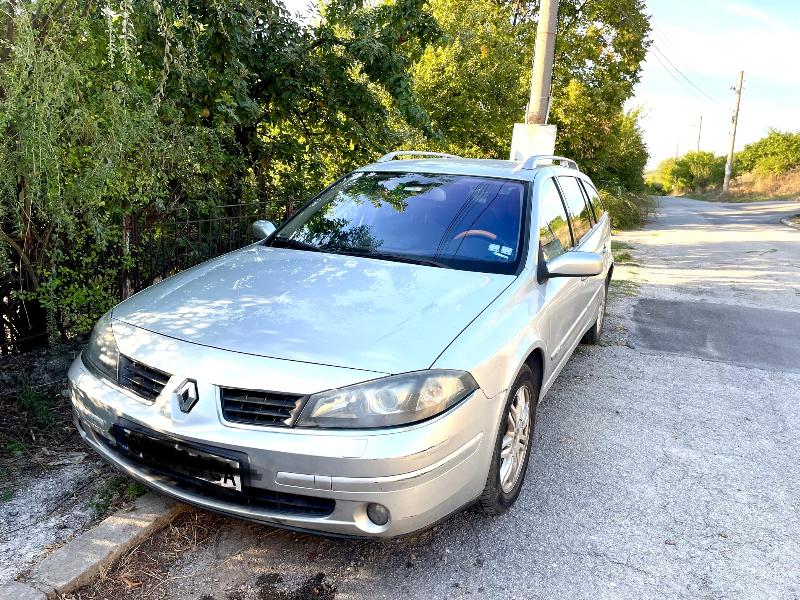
x,y
371,366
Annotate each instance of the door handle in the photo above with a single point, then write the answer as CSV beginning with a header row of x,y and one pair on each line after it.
x,y
604,250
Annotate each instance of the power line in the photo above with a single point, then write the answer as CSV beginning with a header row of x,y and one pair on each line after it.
x,y
683,76
677,79
696,77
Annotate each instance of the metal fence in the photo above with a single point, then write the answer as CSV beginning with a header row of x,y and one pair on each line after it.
x,y
155,246
16,332
162,246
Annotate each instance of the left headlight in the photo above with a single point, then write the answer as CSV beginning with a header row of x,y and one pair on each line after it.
x,y
389,401
101,355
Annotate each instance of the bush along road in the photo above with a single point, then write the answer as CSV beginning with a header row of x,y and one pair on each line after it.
x,y
665,462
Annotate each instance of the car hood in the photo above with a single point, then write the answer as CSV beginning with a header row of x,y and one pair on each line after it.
x,y
315,307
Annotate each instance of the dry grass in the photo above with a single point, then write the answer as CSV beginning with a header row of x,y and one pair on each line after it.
x,y
750,187
144,571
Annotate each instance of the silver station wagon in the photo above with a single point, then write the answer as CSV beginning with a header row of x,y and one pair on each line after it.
x,y
371,366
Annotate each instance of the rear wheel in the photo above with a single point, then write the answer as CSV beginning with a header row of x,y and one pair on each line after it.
x,y
513,447
593,335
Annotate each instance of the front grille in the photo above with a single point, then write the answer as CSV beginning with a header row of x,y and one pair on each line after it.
x,y
258,498
259,408
142,380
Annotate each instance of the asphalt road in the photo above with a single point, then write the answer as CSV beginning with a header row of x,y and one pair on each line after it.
x,y
666,462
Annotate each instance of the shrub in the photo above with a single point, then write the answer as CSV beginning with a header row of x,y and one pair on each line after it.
x,y
775,154
692,172
628,209
697,171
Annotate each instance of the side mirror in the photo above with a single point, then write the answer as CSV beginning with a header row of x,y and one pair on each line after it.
x,y
261,229
575,264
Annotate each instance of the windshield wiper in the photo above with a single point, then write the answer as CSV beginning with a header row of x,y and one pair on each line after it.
x,y
403,258
282,242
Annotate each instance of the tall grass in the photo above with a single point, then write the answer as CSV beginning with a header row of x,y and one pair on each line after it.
x,y
628,209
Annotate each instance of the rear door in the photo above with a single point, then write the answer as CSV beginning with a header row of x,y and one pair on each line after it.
x,y
603,220
589,238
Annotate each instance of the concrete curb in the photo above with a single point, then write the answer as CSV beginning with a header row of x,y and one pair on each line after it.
x,y
74,564
788,222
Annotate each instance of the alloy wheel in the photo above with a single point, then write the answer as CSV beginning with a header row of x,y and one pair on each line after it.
x,y
516,439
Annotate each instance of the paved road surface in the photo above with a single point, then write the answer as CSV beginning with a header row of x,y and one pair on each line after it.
x,y
666,465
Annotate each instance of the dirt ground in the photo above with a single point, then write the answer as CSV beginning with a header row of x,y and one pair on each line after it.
x,y
52,487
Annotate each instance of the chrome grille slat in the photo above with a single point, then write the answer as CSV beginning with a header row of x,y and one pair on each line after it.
x,y
149,374
146,382
258,413
255,407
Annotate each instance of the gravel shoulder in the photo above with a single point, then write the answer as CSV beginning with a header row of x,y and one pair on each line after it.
x,y
655,474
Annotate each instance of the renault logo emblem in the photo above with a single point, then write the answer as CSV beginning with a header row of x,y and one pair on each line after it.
x,y
186,395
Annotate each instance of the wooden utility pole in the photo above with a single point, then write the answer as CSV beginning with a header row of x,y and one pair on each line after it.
x,y
542,71
726,182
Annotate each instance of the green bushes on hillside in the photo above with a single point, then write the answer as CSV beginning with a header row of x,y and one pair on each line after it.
x,y
692,172
775,154
759,163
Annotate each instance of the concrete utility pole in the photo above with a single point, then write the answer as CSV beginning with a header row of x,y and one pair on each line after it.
x,y
729,165
699,132
542,72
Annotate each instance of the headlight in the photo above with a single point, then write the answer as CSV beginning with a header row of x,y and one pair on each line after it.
x,y
101,354
394,400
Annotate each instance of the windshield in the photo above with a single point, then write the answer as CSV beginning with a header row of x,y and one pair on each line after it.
x,y
456,221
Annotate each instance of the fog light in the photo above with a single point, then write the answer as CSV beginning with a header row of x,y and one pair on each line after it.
x,y
378,514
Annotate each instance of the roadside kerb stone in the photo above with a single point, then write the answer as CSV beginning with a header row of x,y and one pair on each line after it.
x,y
790,223
15,590
74,564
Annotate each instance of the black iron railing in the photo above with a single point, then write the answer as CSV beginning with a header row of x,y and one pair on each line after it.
x,y
154,246
162,246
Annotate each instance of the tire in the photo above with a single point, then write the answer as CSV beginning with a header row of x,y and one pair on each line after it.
x,y
503,487
593,335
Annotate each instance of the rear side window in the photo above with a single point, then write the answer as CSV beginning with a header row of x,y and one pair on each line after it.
x,y
553,227
579,211
594,199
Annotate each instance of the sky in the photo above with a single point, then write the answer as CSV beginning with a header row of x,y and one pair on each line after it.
x,y
708,42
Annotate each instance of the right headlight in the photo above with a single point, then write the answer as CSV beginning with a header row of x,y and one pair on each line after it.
x,y
389,401
101,355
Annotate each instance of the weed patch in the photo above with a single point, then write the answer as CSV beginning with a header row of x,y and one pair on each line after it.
x,y
620,245
114,492
37,406
623,288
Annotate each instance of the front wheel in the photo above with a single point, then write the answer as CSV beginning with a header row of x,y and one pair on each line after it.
x,y
593,335
513,447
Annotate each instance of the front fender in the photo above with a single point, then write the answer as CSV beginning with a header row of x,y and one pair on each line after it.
x,y
496,344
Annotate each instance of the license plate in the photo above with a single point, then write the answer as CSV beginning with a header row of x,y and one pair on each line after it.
x,y
176,458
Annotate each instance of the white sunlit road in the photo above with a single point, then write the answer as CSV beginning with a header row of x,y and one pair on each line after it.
x,y
666,462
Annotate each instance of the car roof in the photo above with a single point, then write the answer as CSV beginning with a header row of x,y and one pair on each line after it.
x,y
480,167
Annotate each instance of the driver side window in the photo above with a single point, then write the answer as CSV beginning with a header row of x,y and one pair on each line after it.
x,y
554,233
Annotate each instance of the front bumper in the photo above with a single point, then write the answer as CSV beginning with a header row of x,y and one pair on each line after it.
x,y
421,473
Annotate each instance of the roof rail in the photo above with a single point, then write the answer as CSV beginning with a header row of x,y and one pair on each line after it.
x,y
396,153
537,159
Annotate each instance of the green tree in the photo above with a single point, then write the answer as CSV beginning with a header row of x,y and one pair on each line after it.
x,y
697,171
474,84
139,106
692,172
774,154
664,175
